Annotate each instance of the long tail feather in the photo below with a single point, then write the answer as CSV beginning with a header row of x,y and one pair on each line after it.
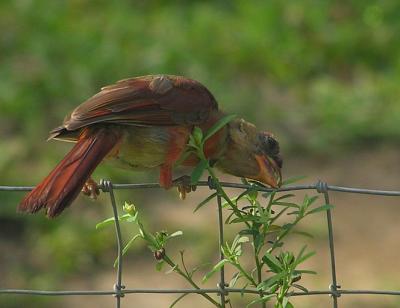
x,y
63,184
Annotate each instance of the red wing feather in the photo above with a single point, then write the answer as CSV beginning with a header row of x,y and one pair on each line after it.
x,y
149,100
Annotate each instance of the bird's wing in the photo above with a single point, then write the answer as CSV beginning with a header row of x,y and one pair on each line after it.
x,y
160,100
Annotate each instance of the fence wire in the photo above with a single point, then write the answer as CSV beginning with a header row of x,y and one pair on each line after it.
x,y
119,290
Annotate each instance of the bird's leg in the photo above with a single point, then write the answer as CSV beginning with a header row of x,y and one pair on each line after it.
x,y
91,189
183,183
184,186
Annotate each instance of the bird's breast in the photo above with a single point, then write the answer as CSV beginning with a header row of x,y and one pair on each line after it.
x,y
149,147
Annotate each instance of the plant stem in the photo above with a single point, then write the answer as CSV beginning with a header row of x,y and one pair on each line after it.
x,y
223,194
245,274
283,234
188,279
258,266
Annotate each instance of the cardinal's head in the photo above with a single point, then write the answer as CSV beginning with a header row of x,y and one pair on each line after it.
x,y
251,154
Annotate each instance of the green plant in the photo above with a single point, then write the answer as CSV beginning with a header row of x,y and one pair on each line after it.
x,y
260,216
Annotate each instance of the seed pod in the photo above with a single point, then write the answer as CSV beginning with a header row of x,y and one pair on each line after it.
x,y
159,254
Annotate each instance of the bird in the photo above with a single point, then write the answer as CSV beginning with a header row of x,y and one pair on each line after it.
x,y
145,122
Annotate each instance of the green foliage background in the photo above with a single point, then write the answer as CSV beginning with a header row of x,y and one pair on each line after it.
x,y
322,75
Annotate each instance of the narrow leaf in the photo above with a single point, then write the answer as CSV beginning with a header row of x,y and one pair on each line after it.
x,y
205,201
159,266
320,209
172,269
304,272
111,220
293,180
183,157
217,126
270,281
303,258
175,234
198,171
197,134
272,262
263,299
288,204
127,246
306,234
288,304
284,197
234,279
178,299
105,222
215,269
300,287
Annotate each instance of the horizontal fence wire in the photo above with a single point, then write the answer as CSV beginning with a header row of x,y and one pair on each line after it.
x,y
222,289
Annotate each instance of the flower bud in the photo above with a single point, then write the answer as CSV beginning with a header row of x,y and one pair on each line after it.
x,y
159,254
129,208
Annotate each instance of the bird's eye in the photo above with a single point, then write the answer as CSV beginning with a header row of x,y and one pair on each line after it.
x,y
272,143
269,144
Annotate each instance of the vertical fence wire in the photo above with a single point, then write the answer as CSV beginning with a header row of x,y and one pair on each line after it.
x,y
107,186
222,290
221,284
322,188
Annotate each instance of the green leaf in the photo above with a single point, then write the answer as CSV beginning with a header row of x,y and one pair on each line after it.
x,y
293,179
309,200
301,258
217,126
248,232
270,281
159,266
296,272
263,299
178,299
240,240
286,303
175,234
127,246
273,229
105,222
198,171
183,157
252,194
111,220
300,287
148,237
287,204
244,219
205,201
320,209
216,268
234,279
306,234
272,262
197,134
172,269
284,197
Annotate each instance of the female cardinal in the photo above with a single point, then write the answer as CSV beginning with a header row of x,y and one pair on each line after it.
x,y
146,122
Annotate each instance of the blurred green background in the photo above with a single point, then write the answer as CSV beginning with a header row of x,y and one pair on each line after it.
x,y
323,76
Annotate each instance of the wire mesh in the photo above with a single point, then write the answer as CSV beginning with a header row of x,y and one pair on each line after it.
x,y
222,289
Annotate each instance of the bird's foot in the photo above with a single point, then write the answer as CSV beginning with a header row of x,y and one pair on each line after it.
x,y
91,189
184,186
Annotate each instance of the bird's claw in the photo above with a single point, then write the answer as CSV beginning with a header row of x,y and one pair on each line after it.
x,y
91,189
184,186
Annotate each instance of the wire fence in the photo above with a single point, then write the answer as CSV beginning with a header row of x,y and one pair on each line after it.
x,y
119,290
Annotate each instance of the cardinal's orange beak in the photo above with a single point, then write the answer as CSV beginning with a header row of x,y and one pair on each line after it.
x,y
270,173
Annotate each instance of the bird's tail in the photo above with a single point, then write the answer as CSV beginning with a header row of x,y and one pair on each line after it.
x,y
63,184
